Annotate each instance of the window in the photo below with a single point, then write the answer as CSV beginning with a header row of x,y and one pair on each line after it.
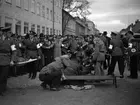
x,y
8,25
57,18
8,1
26,4
57,32
38,29
51,15
58,3
0,21
43,11
18,27
47,30
50,31
60,19
54,16
47,13
43,30
54,31
18,3
8,22
33,6
33,27
26,27
38,9
54,2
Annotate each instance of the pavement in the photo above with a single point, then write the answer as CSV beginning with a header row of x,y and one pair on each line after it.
x,y
23,91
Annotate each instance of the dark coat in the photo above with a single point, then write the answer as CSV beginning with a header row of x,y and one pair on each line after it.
x,y
118,47
72,67
5,52
52,67
31,48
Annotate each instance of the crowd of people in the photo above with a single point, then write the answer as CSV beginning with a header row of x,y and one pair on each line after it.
x,y
60,55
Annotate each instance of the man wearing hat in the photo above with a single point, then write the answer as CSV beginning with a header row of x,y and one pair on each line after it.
x,y
47,49
32,52
117,54
51,74
133,59
7,49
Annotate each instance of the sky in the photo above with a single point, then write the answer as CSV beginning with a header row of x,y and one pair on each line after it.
x,y
113,15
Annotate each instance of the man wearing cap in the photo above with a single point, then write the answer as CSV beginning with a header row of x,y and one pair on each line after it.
x,y
33,52
7,49
47,49
51,74
117,54
133,58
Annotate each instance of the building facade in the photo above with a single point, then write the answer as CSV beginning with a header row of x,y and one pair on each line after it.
x,y
41,16
80,27
136,27
92,27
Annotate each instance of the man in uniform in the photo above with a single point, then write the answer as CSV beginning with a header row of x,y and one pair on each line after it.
x,y
133,58
73,44
6,57
117,54
33,52
51,74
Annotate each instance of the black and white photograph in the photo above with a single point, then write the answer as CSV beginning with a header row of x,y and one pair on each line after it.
x,y
69,52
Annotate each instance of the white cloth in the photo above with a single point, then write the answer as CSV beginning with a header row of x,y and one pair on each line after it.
x,y
13,47
39,45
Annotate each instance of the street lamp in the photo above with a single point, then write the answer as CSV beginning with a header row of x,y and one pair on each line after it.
x,y
53,15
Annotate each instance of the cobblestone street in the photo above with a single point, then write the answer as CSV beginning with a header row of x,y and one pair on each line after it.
x,y
22,91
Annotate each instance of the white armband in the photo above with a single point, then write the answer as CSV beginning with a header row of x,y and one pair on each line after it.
x,y
130,45
110,46
39,45
62,45
20,45
13,47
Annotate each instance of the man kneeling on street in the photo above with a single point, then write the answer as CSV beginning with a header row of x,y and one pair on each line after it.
x,y
51,74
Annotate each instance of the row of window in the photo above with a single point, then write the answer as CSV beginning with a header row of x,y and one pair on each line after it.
x,y
18,2
39,9
45,30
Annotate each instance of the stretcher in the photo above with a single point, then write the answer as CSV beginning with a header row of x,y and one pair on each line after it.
x,y
93,77
25,62
21,64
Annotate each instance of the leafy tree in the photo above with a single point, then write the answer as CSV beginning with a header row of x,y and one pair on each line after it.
x,y
77,8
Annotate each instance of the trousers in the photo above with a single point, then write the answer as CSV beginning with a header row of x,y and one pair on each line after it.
x,y
114,60
3,77
53,79
133,66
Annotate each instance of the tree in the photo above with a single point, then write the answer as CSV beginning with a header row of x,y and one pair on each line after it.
x,y
77,8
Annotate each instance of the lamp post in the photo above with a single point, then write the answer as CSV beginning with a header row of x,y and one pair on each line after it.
x,y
53,15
